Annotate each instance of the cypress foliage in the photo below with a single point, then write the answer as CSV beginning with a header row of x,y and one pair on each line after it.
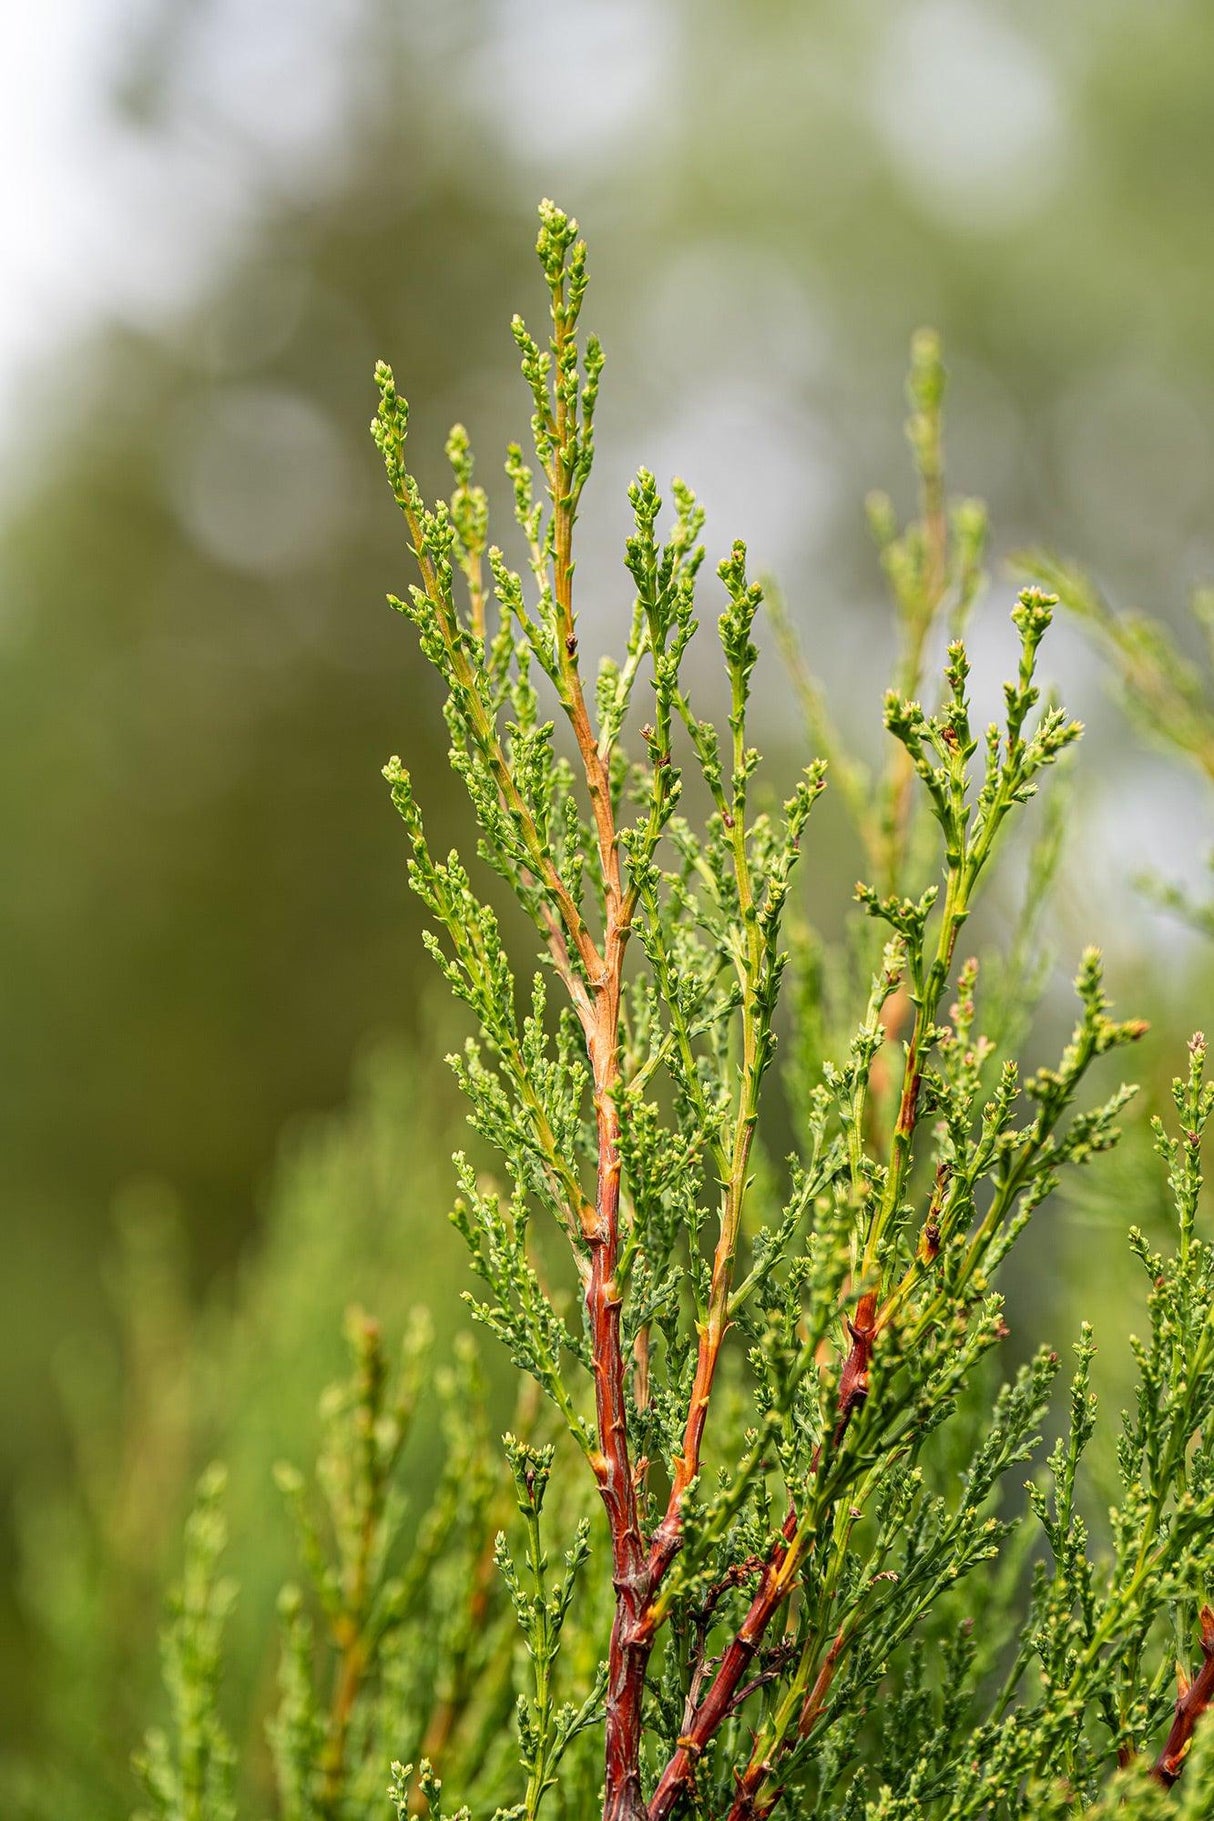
x,y
760,1528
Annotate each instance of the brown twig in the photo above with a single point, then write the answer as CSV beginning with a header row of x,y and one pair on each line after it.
x,y
815,1700
667,1538
631,1637
1194,1698
854,1378
450,1709
350,1672
778,1578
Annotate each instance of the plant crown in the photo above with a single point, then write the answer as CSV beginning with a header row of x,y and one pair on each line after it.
x,y
799,1580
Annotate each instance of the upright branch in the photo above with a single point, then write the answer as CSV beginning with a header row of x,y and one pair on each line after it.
x,y
762,1568
756,1526
934,568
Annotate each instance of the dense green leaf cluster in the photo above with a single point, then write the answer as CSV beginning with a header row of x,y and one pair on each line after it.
x,y
810,1584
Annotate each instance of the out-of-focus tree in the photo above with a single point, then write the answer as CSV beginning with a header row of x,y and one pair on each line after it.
x,y
240,1375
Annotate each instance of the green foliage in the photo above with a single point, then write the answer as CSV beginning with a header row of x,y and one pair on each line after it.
x,y
1091,1681
386,1646
544,1732
238,1377
406,1641
188,1775
808,1582
179,682
774,1570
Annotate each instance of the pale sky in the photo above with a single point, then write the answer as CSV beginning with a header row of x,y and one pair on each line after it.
x,y
56,183
102,217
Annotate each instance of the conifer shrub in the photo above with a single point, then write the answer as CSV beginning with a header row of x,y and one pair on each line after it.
x,y
167,1381
759,1540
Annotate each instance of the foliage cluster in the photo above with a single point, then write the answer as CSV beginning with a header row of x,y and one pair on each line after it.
x,y
808,1582
235,1379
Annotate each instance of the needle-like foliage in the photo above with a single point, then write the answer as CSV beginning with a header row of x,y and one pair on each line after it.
x,y
771,1566
810,1581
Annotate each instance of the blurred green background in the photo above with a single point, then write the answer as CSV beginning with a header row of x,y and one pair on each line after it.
x,y
219,215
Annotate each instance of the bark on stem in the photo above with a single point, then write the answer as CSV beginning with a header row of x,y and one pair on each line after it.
x,y
773,1590
668,1537
1194,1699
623,1800
778,1581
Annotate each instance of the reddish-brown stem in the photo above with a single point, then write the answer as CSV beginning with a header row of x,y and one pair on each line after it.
x,y
599,1011
854,1378
629,1650
815,1700
637,1618
631,1634
774,1587
746,1804
746,1807
908,1106
668,1536
778,1579
1195,1697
